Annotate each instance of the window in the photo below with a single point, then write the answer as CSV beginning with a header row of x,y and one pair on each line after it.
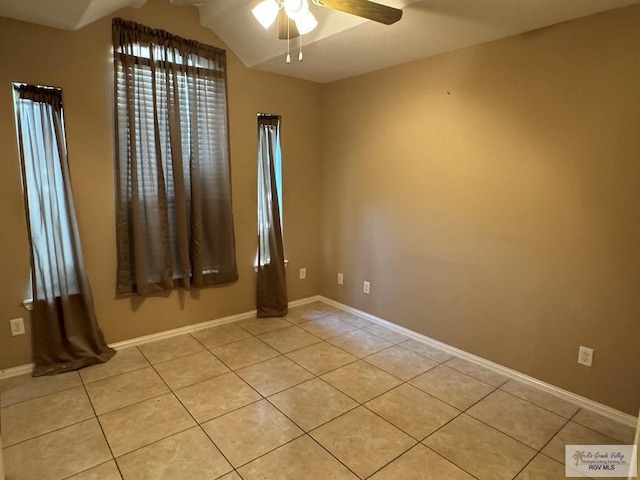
x,y
269,169
173,182
65,333
272,299
42,146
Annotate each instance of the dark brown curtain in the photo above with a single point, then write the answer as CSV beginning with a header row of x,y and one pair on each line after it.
x,y
173,180
64,330
272,298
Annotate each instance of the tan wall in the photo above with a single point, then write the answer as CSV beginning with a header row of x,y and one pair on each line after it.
x,y
500,217
491,197
80,63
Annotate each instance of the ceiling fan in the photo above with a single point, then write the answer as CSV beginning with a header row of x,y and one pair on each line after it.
x,y
295,18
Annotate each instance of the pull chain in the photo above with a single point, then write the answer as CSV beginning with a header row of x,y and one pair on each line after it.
x,y
288,59
300,57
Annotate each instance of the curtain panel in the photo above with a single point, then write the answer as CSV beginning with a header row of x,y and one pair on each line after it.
x,y
173,179
64,331
272,300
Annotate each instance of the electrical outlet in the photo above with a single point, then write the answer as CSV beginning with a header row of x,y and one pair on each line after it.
x,y
340,279
303,273
367,287
585,356
17,326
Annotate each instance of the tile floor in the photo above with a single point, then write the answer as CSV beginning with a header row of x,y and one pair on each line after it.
x,y
321,394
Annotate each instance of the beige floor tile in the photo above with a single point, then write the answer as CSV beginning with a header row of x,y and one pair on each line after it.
x,y
288,339
44,414
479,449
244,352
250,432
363,441
361,381
353,319
125,360
139,425
106,471
184,371
327,327
451,386
217,396
214,336
301,459
321,358
386,333
188,455
59,454
400,362
125,389
575,434
309,311
274,375
541,398
360,343
522,420
427,350
295,318
543,468
170,348
325,307
481,373
611,428
412,410
25,387
231,476
257,326
312,403
420,463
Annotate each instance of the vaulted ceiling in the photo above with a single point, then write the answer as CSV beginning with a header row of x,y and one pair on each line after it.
x,y
343,45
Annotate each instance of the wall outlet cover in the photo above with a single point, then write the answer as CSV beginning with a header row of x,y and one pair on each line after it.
x,y
585,356
17,326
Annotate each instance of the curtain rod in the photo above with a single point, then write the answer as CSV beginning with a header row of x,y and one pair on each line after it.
x,y
268,115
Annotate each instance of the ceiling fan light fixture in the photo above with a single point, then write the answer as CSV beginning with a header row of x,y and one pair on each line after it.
x,y
296,9
307,23
266,12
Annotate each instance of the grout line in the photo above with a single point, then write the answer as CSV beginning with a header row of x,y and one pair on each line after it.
x,y
358,404
493,427
6,447
547,443
449,461
539,406
331,453
44,395
197,424
104,435
531,382
95,466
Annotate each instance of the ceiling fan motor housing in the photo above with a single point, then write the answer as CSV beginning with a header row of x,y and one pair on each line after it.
x,y
296,9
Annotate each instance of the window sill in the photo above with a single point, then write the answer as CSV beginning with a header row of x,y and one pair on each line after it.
x,y
286,264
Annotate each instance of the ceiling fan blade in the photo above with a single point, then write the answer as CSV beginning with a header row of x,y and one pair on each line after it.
x,y
283,20
185,2
365,9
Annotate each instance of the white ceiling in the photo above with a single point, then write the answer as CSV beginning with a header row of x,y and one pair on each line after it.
x,y
343,45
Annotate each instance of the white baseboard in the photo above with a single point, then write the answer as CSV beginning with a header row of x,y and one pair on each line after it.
x,y
201,326
15,371
583,402
579,400
25,369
